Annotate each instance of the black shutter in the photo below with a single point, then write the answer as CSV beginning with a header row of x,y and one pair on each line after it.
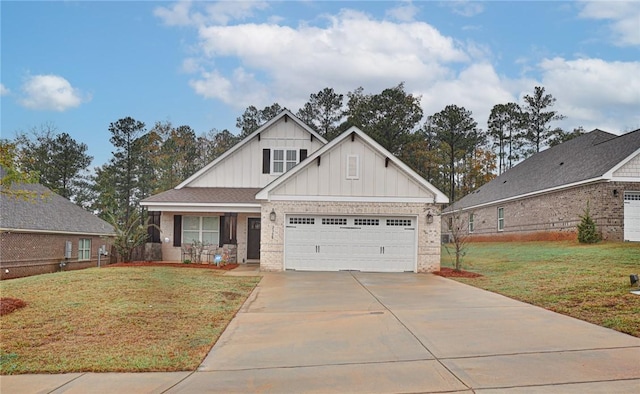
x,y
303,154
224,233
266,161
153,232
177,230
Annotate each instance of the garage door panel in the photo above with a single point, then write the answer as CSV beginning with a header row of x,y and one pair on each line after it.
x,y
632,216
332,243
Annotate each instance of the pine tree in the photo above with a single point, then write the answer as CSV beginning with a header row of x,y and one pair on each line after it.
x,y
587,232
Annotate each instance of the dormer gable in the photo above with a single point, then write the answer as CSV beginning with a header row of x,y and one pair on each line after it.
x,y
262,156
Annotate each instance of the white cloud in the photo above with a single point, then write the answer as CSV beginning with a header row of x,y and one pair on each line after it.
x,y
592,91
352,49
50,92
181,13
3,90
465,8
623,15
403,13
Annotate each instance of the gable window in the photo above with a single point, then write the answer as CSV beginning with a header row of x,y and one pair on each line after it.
x,y
205,229
471,225
283,160
500,219
84,249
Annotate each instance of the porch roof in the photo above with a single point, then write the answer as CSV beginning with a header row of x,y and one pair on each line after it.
x,y
197,198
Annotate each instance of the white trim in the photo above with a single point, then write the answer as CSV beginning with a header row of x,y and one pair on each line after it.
x,y
625,179
237,146
420,200
440,198
203,207
609,174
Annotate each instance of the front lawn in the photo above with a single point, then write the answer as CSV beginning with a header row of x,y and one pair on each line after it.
x,y
117,319
588,282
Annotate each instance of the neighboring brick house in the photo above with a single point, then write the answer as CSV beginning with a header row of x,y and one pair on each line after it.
x,y
543,197
40,232
287,199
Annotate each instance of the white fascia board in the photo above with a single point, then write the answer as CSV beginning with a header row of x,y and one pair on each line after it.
x,y
625,179
440,198
249,138
27,230
531,194
420,200
203,207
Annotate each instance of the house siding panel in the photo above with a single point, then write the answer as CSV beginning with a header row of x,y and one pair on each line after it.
x,y
553,216
26,254
244,168
330,178
629,169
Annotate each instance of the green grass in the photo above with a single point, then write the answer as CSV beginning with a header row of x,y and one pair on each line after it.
x,y
588,282
117,319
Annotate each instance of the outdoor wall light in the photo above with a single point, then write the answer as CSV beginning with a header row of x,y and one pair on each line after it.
x,y
272,215
429,218
615,192
166,240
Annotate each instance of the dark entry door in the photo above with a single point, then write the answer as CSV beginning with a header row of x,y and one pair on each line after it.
x,y
253,239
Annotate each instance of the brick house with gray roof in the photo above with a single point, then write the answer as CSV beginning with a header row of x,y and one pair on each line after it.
x,y
286,198
42,231
543,197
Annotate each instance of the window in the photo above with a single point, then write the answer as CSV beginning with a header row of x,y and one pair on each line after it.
x,y
471,226
366,222
500,219
84,249
399,222
205,229
334,221
284,160
302,221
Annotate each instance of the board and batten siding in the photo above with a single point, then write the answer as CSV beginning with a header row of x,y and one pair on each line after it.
x,y
243,168
330,178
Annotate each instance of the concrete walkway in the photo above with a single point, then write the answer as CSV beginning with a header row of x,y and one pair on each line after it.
x,y
384,333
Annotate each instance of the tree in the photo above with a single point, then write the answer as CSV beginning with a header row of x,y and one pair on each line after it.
x,y
456,131
130,234
323,112
124,134
457,227
561,136
537,121
389,117
252,118
504,124
10,175
587,231
59,160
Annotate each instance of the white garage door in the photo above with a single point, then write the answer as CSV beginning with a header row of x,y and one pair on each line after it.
x,y
334,243
632,216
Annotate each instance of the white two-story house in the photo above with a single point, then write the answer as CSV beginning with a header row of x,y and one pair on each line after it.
x,y
285,198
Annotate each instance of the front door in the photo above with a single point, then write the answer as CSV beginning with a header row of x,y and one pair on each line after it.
x,y
253,239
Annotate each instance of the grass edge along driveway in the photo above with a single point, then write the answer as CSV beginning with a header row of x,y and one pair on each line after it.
x,y
117,319
588,282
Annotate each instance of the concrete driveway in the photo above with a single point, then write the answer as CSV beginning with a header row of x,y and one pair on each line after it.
x,y
390,333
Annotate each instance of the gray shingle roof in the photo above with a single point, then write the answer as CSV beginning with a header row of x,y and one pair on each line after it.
x,y
589,156
48,211
206,195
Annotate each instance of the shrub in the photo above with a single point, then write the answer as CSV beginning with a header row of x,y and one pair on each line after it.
x,y
587,231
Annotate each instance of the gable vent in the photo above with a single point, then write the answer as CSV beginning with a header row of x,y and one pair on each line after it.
x,y
353,167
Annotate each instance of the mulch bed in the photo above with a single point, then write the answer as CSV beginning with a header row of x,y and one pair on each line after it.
x,y
227,267
8,305
451,273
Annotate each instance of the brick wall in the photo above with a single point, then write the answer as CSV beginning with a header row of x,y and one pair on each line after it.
x,y
26,254
272,233
552,216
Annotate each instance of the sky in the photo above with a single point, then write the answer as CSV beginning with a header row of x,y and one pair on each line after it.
x,y
80,65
